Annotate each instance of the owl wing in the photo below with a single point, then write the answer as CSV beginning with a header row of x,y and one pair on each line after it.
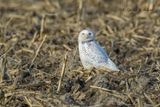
x,y
102,50
95,53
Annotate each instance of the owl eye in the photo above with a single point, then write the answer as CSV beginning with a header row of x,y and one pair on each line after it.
x,y
89,33
82,33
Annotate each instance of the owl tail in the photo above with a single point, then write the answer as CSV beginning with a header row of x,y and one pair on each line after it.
x,y
111,65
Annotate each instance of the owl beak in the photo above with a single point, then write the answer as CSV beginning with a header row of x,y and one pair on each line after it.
x,y
87,37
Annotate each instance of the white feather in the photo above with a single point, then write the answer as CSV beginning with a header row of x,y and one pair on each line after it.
x,y
93,55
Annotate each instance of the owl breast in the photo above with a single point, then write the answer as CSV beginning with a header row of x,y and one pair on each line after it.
x,y
91,55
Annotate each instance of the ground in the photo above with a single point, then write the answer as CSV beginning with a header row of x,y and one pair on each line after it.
x,y
38,41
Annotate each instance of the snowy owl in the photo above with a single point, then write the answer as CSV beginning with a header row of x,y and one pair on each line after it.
x,y
92,54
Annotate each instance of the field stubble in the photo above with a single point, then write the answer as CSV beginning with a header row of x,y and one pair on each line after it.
x,y
39,61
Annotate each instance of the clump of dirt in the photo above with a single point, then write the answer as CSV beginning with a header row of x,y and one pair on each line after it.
x,y
39,61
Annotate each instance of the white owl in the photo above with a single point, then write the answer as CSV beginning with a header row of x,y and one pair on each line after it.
x,y
92,54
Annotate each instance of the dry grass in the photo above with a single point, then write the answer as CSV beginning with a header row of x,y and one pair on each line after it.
x,y
36,34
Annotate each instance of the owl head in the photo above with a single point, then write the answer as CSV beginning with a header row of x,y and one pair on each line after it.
x,y
86,35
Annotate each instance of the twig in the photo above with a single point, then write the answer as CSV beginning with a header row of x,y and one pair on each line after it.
x,y
27,101
48,3
5,28
62,73
131,99
22,92
149,99
33,39
42,26
157,105
24,50
40,101
67,47
110,29
9,99
89,78
80,10
114,93
44,38
9,49
117,18
3,69
150,7
141,37
139,102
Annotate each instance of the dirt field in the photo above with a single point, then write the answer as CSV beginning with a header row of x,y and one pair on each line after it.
x,y
36,35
